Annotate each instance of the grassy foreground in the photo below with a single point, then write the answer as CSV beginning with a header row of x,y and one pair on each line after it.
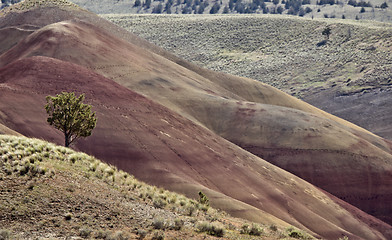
x,y
51,192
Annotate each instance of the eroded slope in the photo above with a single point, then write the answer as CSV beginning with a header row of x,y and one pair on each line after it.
x,y
234,108
163,148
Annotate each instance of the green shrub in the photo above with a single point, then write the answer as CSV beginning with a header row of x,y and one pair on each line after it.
x,y
141,233
178,224
159,223
85,232
343,238
255,230
190,210
5,234
211,228
158,236
159,203
68,216
273,227
119,235
296,233
244,229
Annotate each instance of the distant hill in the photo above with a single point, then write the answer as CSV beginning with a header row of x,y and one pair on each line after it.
x,y
379,10
350,76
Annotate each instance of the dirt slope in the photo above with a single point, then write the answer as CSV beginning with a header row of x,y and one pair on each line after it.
x,y
299,141
52,192
6,130
163,148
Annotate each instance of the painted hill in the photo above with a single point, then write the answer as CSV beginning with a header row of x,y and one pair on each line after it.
x,y
164,149
234,108
180,151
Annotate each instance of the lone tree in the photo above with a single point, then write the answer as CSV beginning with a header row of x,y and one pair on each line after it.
x,y
326,32
68,114
203,199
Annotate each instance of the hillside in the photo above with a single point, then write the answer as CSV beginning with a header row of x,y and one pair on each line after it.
x,y
158,150
160,123
378,10
349,77
50,191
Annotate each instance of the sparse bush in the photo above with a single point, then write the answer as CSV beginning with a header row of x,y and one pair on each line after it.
x,y
68,216
172,199
190,210
102,234
326,32
109,171
178,224
159,223
158,236
211,228
85,232
141,233
93,166
119,235
296,233
5,234
343,238
273,227
244,229
255,230
73,158
182,203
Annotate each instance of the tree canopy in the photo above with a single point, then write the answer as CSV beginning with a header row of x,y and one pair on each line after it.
x,y
68,114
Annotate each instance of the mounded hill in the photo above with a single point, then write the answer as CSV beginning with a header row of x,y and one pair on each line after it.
x,y
163,148
196,93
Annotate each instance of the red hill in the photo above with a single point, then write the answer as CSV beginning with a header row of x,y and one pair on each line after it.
x,y
296,136
161,147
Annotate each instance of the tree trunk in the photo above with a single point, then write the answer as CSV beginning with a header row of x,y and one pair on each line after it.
x,y
66,140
